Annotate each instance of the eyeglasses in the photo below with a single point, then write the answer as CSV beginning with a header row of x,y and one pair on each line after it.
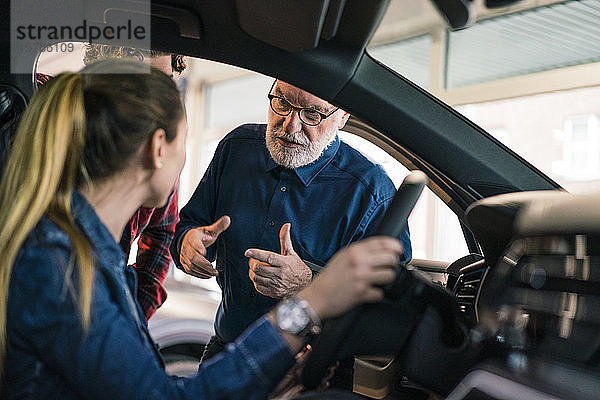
x,y
308,116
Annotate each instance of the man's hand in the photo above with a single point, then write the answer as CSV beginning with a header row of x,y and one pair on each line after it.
x,y
193,248
278,275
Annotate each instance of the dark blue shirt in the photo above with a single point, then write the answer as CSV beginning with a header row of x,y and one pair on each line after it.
x,y
50,357
330,203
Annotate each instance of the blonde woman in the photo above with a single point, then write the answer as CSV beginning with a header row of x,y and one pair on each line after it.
x,y
90,150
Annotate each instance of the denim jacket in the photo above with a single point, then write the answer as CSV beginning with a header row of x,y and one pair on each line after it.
x,y
49,356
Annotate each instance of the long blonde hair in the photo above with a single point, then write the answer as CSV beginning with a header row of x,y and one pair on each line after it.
x,y
78,128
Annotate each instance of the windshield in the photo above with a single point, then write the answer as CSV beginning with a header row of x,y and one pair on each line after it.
x,y
528,74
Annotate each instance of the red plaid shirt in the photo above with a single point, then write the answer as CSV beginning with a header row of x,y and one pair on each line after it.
x,y
155,228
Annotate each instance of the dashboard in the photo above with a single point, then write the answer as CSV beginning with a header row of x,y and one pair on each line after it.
x,y
521,323
533,305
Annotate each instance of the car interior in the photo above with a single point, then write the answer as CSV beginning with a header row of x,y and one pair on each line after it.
x,y
516,317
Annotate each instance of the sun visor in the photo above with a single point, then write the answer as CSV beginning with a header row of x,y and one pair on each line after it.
x,y
292,25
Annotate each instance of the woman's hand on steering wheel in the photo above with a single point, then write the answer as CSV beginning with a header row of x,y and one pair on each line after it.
x,y
354,275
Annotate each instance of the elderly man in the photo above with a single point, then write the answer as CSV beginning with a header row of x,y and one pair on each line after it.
x,y
278,201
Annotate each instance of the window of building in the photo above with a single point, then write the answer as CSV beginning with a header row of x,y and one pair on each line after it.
x,y
581,145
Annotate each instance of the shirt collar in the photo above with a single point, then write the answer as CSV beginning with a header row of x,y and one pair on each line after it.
x,y
307,173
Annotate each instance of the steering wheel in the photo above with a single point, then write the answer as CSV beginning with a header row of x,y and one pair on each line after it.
x,y
389,322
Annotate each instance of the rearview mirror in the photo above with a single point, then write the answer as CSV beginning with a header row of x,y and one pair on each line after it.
x,y
458,13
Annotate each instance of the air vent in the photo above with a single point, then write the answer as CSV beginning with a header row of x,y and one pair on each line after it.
x,y
466,290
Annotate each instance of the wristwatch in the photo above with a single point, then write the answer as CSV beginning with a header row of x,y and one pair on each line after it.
x,y
295,316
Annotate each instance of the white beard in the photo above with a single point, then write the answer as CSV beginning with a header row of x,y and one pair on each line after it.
x,y
292,158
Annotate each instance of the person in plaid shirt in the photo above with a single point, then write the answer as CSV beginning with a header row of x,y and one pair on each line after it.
x,y
153,226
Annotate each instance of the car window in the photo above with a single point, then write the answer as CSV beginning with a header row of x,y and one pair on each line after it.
x,y
540,93
435,231
564,123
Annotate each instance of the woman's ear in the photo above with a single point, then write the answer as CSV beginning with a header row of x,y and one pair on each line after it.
x,y
158,142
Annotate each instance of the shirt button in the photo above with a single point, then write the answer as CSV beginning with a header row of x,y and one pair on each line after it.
x,y
252,294
272,223
283,189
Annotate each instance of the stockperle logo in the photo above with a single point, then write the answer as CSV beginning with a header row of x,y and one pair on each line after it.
x,y
49,25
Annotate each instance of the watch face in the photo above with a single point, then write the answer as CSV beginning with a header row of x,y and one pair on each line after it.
x,y
292,317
